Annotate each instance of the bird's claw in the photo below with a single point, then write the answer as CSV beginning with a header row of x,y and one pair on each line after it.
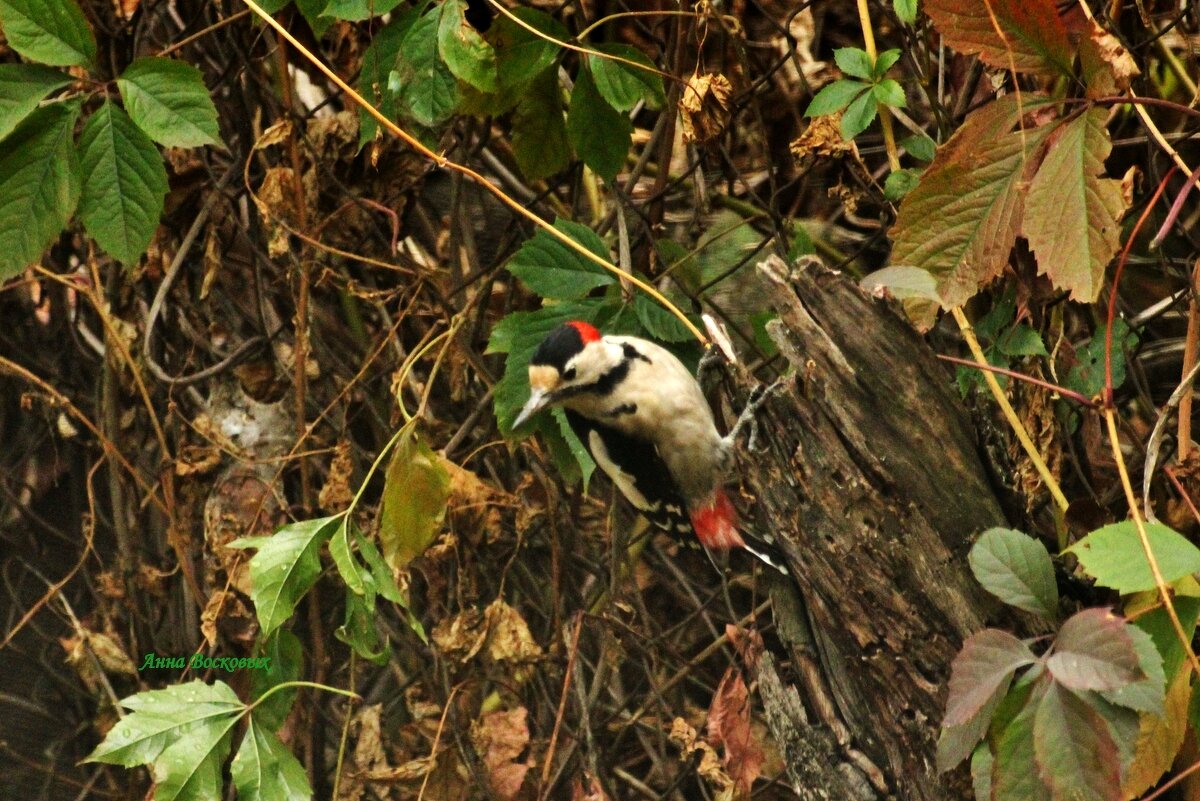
x,y
748,419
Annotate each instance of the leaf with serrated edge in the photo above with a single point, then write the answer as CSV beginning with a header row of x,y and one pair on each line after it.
x,y
464,51
1145,695
428,90
169,101
1113,555
190,767
961,221
1034,38
39,185
358,10
522,55
539,130
987,660
285,568
600,134
416,488
343,558
1094,651
161,717
22,87
124,183
621,84
1157,623
1160,737
265,770
1075,753
53,32
1016,568
552,270
1071,212
1014,772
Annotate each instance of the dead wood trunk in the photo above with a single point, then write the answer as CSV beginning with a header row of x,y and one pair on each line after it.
x,y
870,478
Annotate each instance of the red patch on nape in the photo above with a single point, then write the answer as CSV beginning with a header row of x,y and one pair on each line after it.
x,y
587,331
716,523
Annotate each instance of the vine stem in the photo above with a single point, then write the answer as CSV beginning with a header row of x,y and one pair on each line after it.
x,y
885,116
1010,414
311,684
462,169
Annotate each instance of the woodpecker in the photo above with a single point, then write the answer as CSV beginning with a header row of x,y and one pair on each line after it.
x,y
645,421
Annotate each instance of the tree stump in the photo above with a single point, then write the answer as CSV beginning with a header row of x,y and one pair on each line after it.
x,y
869,477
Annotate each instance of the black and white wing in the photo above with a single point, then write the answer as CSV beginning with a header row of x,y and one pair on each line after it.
x,y
638,471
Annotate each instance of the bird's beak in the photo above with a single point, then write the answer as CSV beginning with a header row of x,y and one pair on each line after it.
x,y
537,401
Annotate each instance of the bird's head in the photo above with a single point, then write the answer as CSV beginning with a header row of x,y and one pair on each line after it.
x,y
570,359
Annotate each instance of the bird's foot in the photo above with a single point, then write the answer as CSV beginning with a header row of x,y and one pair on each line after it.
x,y
748,419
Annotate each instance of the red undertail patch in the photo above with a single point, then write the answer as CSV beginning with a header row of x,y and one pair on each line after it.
x,y
587,331
716,524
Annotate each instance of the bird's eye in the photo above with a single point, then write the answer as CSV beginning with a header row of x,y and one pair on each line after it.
x,y
569,374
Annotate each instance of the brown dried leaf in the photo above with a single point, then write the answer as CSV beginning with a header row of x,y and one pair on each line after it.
x,y
336,494
501,737
592,792
821,139
277,134
704,106
461,636
509,638
208,618
729,726
196,460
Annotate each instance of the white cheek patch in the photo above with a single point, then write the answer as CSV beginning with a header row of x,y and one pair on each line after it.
x,y
626,483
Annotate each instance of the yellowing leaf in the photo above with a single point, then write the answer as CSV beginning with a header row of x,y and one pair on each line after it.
x,y
414,501
1159,739
1072,212
1031,36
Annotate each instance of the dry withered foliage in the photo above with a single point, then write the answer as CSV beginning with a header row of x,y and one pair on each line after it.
x,y
729,726
704,106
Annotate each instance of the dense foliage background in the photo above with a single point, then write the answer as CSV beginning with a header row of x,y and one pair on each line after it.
x,y
263,347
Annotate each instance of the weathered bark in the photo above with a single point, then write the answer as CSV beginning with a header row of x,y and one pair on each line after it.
x,y
870,479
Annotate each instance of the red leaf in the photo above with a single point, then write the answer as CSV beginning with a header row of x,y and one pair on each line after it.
x,y
729,726
983,669
1076,756
1034,38
1093,651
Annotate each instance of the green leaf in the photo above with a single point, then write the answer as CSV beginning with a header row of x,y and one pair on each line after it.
x,y
1074,247
163,717
887,59
981,670
358,630
1147,694
22,87
539,132
1016,568
906,12
1076,756
124,183
982,762
552,270
39,185
358,10
961,221
920,147
287,664
659,322
381,574
426,88
190,767
465,52
1113,555
622,85
53,32
1021,340
899,184
853,61
1157,623
1087,374
265,770
1031,35
273,6
858,115
1094,651
169,101
343,559
522,55
311,10
285,568
378,62
902,283
600,134
835,97
1015,771
416,488
889,93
